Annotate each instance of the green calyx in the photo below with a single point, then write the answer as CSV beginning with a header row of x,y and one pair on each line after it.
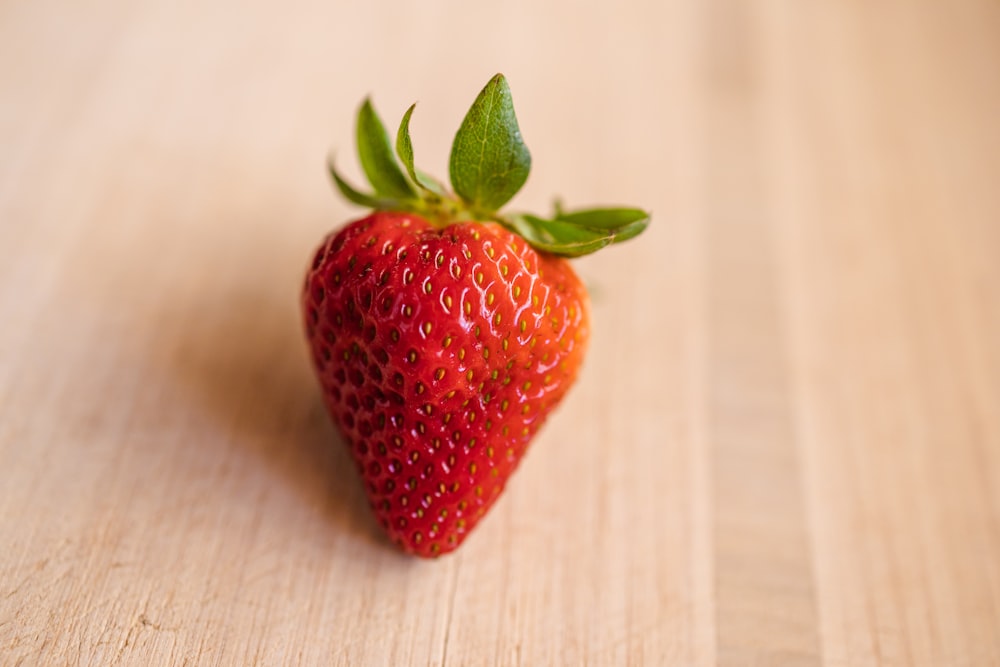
x,y
489,164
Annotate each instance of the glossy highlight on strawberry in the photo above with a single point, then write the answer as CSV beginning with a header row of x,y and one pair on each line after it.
x,y
444,332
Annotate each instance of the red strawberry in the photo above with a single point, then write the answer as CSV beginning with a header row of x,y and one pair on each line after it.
x,y
444,333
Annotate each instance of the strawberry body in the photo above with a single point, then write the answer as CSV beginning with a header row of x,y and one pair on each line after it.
x,y
445,330
440,351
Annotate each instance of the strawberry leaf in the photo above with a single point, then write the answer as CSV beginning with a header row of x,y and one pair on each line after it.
x,y
489,161
377,157
622,223
432,184
581,232
558,238
404,148
488,165
359,198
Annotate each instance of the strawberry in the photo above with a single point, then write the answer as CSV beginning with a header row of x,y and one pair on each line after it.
x,y
444,332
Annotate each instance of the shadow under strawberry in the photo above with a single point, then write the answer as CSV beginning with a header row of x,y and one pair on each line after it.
x,y
241,362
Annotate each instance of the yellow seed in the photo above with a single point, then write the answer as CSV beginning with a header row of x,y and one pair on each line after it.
x,y
427,328
446,342
489,299
517,291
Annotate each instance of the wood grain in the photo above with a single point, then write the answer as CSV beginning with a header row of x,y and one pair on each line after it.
x,y
784,448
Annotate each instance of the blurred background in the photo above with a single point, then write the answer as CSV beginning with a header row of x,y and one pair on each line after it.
x,y
784,449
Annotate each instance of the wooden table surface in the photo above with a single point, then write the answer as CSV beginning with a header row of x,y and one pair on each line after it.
x,y
785,445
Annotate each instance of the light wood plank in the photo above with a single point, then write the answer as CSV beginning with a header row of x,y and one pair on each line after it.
x,y
785,445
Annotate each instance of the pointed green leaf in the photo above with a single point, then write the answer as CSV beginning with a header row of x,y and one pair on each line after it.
x,y
431,184
404,148
580,232
489,161
557,237
404,145
352,195
604,218
377,157
622,223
